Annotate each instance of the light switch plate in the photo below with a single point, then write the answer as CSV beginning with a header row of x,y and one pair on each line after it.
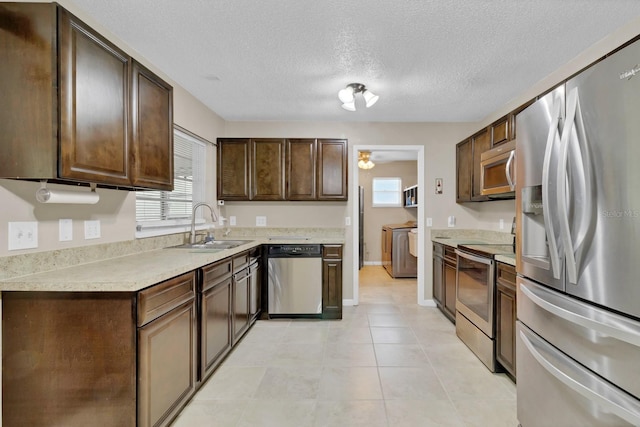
x,y
23,235
451,221
65,230
92,229
347,221
429,222
232,220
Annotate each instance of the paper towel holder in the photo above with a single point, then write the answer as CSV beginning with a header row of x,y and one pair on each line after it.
x,y
45,195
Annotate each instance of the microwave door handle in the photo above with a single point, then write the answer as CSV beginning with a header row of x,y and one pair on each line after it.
x,y
578,379
562,183
554,253
507,170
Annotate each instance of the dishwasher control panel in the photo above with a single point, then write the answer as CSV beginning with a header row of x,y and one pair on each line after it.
x,y
295,250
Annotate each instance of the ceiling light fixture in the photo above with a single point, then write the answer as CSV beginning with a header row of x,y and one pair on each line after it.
x,y
348,96
363,160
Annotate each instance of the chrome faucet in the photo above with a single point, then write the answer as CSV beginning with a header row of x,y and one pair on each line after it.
x,y
214,217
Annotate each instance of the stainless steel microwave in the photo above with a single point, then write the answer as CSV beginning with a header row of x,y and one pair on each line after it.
x,y
497,171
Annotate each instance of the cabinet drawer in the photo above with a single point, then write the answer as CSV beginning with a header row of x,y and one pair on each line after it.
x,y
506,275
215,273
162,298
332,251
240,261
450,255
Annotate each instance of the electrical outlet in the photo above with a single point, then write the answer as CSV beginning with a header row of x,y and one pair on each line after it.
x,y
23,235
92,229
502,224
429,222
65,230
451,221
232,220
261,221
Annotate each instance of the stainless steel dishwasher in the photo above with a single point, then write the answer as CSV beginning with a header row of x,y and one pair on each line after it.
x,y
294,280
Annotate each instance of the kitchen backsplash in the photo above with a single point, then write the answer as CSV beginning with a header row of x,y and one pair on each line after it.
x,y
37,262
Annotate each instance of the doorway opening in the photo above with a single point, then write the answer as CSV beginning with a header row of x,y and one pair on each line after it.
x,y
418,151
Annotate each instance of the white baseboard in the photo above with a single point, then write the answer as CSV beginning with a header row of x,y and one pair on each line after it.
x,y
348,302
428,303
372,263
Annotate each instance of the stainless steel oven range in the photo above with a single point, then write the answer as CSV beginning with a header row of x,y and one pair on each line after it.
x,y
475,299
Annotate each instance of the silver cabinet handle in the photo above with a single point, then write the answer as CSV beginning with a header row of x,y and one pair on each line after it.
x,y
548,223
583,382
599,321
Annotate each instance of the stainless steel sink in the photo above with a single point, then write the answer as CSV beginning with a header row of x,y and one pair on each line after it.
x,y
215,246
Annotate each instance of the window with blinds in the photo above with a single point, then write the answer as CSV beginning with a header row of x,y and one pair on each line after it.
x,y
173,208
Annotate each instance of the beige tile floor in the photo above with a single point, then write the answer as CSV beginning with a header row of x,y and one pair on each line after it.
x,y
388,363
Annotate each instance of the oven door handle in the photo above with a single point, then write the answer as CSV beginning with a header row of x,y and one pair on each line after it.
x,y
483,260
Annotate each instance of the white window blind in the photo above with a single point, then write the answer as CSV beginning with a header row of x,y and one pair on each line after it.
x,y
386,192
168,209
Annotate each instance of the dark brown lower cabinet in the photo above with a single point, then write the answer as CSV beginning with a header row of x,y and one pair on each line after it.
x,y
506,317
68,359
444,279
332,281
167,365
240,320
215,316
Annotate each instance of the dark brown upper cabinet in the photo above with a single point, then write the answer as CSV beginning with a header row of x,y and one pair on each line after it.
x,y
69,102
151,129
468,185
464,170
282,169
301,169
332,169
500,132
233,168
267,169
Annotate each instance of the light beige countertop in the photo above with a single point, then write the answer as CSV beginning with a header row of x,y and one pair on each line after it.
x,y
136,271
455,237
507,259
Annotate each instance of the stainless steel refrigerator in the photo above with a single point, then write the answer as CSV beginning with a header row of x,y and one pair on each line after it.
x,y
578,219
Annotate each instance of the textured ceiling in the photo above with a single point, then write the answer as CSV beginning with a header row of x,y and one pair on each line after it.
x,y
429,60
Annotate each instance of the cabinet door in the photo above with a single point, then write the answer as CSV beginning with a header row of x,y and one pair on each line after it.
x,y
94,105
240,316
267,169
151,130
438,281
450,290
255,291
386,238
233,169
506,317
500,132
481,143
301,169
464,168
215,321
332,169
167,362
332,281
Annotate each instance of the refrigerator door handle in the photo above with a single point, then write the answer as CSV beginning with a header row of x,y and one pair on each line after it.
x,y
582,164
507,170
617,328
563,208
546,206
582,382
